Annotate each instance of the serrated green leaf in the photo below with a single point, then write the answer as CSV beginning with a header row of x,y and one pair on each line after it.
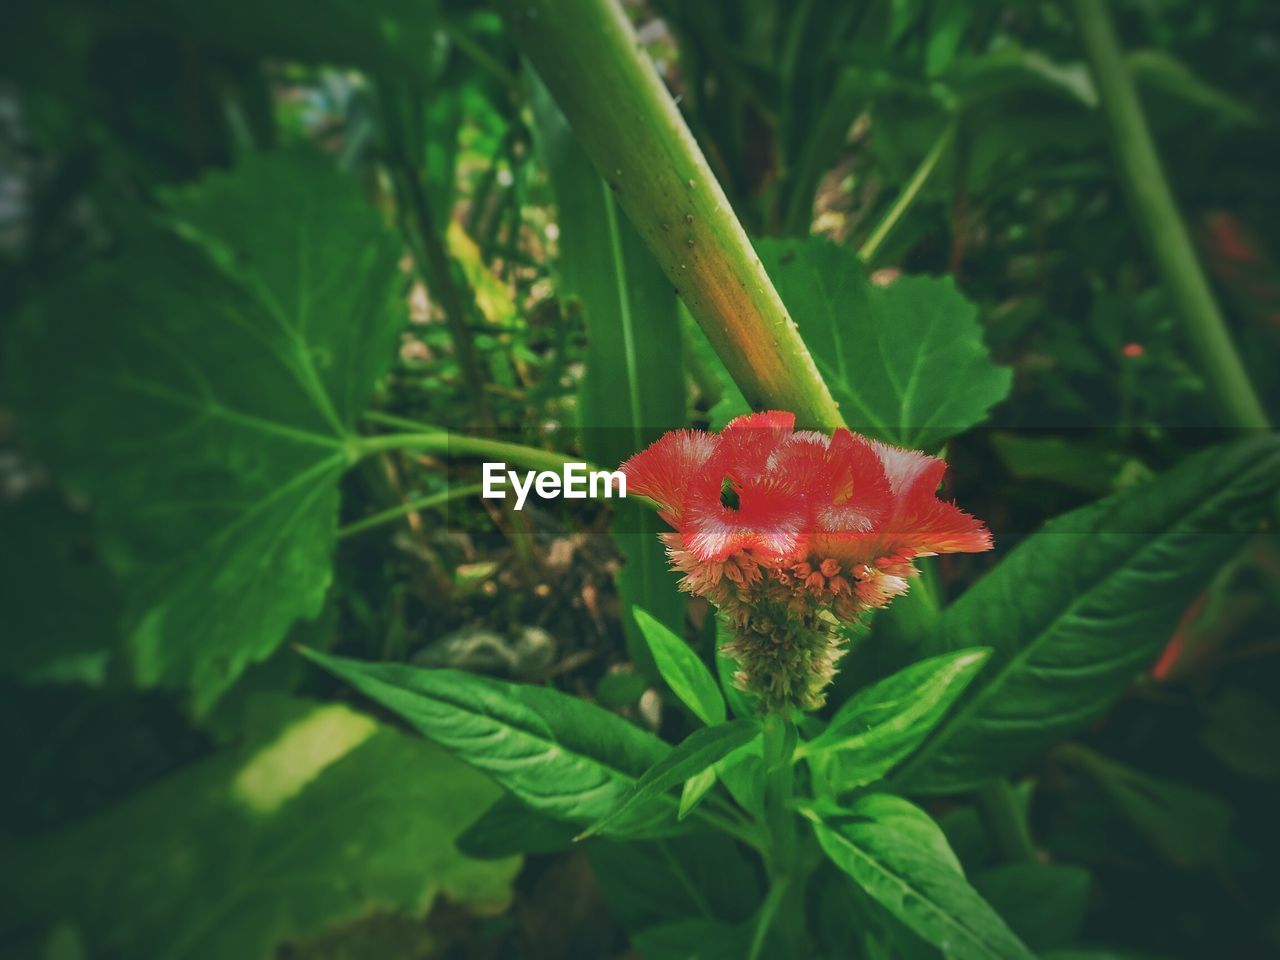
x,y
202,392
556,753
329,818
692,756
1083,604
686,675
915,883
880,726
906,363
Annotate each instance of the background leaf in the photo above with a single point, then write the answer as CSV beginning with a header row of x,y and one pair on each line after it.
x,y
326,817
633,387
556,753
1043,903
917,885
686,675
202,392
1083,604
880,726
905,362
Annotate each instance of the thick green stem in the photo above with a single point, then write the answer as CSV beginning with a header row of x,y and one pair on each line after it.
x,y
1158,218
587,54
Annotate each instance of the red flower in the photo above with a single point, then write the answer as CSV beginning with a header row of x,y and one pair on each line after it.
x,y
777,526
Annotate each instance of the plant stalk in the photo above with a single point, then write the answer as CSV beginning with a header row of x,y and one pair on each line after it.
x,y
908,195
587,54
782,858
1162,226
412,506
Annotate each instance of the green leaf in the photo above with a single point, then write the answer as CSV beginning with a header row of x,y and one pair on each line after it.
x,y
1159,71
695,788
742,775
202,390
694,940
880,726
1243,730
906,820
556,753
686,675
633,387
1082,605
1044,903
905,362
695,754
701,876
47,554
1187,825
329,818
915,883
509,828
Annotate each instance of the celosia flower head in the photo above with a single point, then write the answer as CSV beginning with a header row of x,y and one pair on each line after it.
x,y
791,533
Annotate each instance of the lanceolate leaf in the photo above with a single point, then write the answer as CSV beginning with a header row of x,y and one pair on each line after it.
x,y
915,882
686,675
558,754
202,389
693,756
695,789
905,362
880,726
1083,604
633,386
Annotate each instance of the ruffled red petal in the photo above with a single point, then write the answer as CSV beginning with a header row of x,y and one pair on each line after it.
x,y
663,471
860,502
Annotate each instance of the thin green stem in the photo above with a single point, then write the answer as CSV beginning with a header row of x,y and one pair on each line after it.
x,y
1158,219
1006,824
408,507
481,57
779,746
395,420
782,858
739,831
764,916
907,196
454,445
426,246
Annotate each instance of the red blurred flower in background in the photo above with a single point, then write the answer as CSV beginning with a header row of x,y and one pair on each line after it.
x,y
791,532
